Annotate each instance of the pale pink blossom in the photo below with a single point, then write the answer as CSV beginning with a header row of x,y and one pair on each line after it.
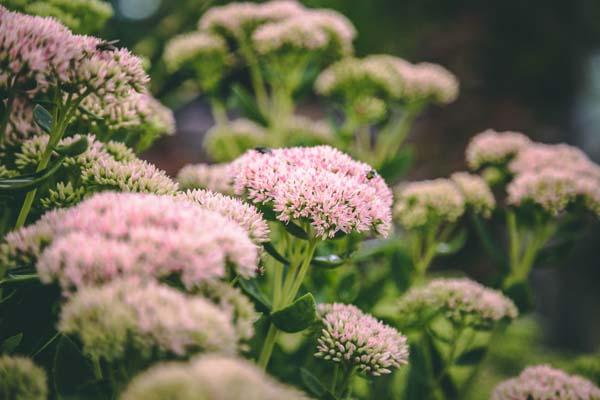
x,y
352,337
214,177
244,214
428,202
476,192
318,184
494,148
542,382
145,317
461,300
119,234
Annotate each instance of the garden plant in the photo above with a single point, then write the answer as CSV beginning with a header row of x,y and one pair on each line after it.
x,y
298,262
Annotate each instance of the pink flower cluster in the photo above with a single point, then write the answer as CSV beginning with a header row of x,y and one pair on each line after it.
x,y
209,377
214,177
542,382
245,215
554,177
460,300
41,50
358,339
476,192
320,185
428,202
392,76
494,148
111,235
239,19
126,315
308,30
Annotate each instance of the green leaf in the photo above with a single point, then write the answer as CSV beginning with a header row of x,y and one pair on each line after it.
x,y
295,230
30,181
402,269
396,167
297,316
42,117
248,106
471,357
315,386
90,114
521,294
454,245
74,149
258,298
71,368
10,344
329,261
268,212
274,253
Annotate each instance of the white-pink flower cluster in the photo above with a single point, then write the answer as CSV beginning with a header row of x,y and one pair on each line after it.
x,y
429,202
42,51
214,177
127,315
494,148
240,19
461,300
476,192
321,185
190,47
309,30
542,382
244,214
380,74
352,337
113,235
554,177
209,377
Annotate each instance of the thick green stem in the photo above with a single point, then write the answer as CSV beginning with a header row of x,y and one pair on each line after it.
x,y
513,239
268,345
293,281
256,77
391,139
336,372
60,119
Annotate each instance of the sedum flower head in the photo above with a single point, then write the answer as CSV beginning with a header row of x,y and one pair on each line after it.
x,y
131,176
111,235
494,148
392,77
209,377
229,141
539,156
245,215
21,379
462,301
476,192
543,382
214,177
318,184
551,190
349,336
147,317
204,54
239,20
428,202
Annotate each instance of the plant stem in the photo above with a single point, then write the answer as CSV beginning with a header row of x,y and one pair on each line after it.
x,y
60,119
336,371
258,83
218,111
390,141
293,281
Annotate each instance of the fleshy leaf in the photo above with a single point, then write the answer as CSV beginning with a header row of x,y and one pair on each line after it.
x,y
297,316
43,118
